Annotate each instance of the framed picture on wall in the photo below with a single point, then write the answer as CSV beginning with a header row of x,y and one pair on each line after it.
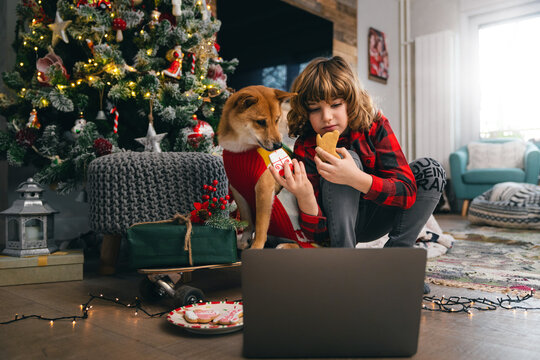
x,y
377,56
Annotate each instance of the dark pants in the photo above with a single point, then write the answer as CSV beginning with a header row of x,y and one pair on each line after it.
x,y
351,219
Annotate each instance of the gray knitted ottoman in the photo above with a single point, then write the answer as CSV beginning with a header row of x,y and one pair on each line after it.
x,y
130,187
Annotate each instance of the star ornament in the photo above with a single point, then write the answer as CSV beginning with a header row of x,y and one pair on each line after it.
x,y
58,29
152,140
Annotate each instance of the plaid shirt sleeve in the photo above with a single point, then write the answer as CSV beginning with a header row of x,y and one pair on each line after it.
x,y
393,180
314,227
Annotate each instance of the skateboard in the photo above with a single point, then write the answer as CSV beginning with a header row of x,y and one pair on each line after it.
x,y
163,282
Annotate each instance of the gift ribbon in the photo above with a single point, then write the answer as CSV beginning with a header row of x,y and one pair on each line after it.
x,y
181,219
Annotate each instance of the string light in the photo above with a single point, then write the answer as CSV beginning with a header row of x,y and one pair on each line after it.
x,y
456,304
85,308
21,64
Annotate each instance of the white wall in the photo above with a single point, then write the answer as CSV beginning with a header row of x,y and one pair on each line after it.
x,y
382,15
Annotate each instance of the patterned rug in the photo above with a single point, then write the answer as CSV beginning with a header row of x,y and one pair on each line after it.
x,y
490,259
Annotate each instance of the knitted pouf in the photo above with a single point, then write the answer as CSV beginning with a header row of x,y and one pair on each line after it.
x,y
130,187
509,205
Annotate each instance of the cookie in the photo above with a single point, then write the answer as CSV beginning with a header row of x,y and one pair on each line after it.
x,y
200,316
328,142
230,317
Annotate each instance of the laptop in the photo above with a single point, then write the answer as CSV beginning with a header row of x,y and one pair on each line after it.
x,y
329,302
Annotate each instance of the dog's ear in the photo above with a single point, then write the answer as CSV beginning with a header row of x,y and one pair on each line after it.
x,y
283,95
244,101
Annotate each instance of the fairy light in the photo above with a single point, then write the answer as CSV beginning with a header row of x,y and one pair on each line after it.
x,y
35,48
45,102
85,311
106,35
149,52
213,109
131,84
202,77
109,83
41,37
79,82
79,37
133,94
21,64
25,43
72,84
189,35
147,95
455,304
91,78
142,32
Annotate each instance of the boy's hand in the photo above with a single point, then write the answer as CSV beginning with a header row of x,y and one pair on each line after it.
x,y
298,184
342,171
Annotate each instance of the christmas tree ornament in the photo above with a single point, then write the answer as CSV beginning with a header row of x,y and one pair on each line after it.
x,y
116,116
204,10
90,45
33,121
175,56
102,147
177,7
101,115
80,123
119,25
152,140
215,72
197,133
193,61
26,137
154,18
44,64
58,29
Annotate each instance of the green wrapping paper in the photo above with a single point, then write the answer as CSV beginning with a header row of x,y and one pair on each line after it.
x,y
162,244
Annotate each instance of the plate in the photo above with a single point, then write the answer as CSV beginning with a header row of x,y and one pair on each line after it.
x,y
176,317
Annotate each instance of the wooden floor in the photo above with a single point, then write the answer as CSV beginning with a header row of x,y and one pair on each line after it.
x,y
115,332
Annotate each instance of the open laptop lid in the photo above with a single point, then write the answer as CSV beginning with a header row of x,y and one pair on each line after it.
x,y
332,302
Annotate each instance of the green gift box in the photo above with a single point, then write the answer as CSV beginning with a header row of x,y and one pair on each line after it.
x,y
163,244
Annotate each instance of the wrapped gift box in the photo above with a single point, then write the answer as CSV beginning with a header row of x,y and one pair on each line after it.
x,y
162,245
59,266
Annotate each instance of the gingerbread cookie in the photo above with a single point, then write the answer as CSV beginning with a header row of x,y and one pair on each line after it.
x,y
328,142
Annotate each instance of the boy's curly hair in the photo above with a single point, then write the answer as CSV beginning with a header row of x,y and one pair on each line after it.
x,y
325,79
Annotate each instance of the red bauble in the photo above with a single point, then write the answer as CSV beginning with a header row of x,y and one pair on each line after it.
x,y
102,147
167,17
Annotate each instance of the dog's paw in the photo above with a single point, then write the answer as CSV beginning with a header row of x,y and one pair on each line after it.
x,y
288,246
242,242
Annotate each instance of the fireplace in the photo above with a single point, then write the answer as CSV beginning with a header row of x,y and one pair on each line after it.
x,y
272,40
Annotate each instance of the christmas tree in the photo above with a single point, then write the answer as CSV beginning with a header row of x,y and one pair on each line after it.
x,y
95,76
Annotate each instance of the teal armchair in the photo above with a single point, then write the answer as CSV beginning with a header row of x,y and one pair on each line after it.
x,y
468,184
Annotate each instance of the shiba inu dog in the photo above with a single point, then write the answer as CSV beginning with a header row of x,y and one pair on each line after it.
x,y
248,132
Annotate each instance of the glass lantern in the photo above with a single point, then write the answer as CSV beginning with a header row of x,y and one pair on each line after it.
x,y
29,223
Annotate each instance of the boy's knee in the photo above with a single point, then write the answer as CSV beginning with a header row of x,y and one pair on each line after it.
x,y
429,174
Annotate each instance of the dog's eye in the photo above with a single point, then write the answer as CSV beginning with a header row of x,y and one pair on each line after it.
x,y
277,120
261,122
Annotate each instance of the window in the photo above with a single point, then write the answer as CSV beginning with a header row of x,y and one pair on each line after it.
x,y
509,55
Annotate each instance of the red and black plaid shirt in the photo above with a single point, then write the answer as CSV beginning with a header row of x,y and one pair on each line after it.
x,y
382,158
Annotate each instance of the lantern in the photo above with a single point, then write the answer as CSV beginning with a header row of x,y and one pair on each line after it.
x,y
29,223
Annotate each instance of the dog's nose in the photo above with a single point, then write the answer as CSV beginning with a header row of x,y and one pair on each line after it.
x,y
278,145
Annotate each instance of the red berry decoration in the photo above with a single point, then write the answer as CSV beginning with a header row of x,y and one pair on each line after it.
x,y
215,182
26,137
212,205
214,189
227,197
206,197
214,199
102,147
222,207
205,187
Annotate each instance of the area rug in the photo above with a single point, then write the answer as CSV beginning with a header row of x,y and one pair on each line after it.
x,y
489,259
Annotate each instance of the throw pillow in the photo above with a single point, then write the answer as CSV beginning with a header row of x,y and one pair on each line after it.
x,y
483,155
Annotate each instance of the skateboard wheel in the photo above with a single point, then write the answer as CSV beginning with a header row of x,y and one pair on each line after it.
x,y
186,295
149,290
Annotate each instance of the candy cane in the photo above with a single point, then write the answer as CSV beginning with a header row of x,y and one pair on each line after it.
x,y
116,116
193,59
